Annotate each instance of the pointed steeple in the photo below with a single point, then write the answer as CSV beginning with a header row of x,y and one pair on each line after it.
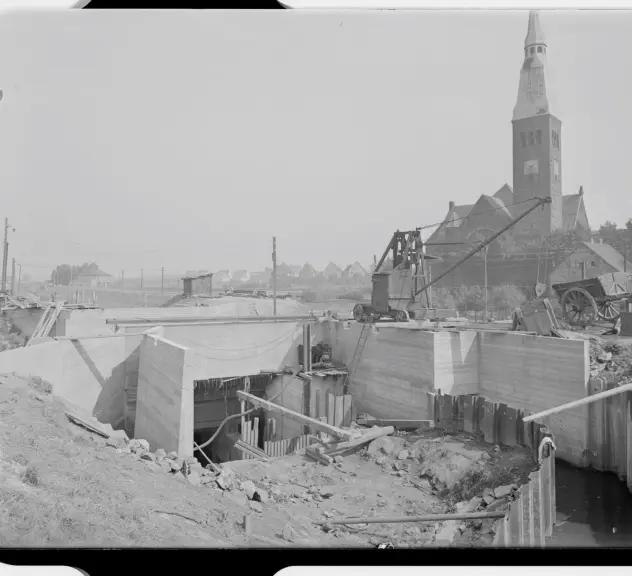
x,y
532,98
535,35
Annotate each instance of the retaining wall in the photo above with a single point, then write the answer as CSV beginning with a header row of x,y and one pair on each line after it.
x,y
88,373
164,413
536,373
531,516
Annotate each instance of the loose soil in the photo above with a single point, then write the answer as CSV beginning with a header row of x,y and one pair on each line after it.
x,y
61,485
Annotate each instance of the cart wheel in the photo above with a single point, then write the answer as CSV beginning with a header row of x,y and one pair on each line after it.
x,y
402,316
609,311
580,308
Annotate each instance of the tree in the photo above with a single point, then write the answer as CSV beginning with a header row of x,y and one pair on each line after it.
x,y
608,230
628,226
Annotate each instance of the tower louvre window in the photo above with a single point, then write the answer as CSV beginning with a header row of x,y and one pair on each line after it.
x,y
539,49
538,136
530,138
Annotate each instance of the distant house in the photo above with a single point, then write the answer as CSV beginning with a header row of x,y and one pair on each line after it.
x,y
96,279
240,276
198,285
332,272
354,271
307,272
283,270
589,261
222,277
295,271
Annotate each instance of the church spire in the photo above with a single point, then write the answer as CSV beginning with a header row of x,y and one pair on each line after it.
x,y
535,36
532,99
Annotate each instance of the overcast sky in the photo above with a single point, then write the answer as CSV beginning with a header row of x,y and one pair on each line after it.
x,y
188,139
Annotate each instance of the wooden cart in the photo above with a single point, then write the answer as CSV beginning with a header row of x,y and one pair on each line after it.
x,y
586,301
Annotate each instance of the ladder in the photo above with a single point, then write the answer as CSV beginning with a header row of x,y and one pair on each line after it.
x,y
357,355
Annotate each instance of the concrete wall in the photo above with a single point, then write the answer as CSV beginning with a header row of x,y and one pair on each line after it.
x,y
88,373
395,371
535,373
456,362
164,413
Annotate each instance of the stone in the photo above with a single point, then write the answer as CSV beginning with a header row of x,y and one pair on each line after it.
x,y
138,445
115,443
379,494
403,455
382,503
192,460
262,496
160,454
153,466
236,496
195,479
256,506
249,488
338,459
226,479
206,480
289,534
468,506
462,528
165,466
498,505
326,494
502,491
172,455
402,473
486,456
477,524
328,514
488,499
386,445
148,456
176,465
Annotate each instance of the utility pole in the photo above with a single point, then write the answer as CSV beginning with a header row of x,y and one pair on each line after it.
x,y
274,274
19,276
122,279
485,258
141,278
13,277
162,280
5,254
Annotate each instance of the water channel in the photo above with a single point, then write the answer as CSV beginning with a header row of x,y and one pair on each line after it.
x,y
594,509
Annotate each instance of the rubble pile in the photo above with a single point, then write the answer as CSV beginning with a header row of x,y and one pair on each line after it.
x,y
610,361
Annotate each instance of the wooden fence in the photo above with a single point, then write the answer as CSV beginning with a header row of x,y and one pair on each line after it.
x,y
531,515
336,410
610,432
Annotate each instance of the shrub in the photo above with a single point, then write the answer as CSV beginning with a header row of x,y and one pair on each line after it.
x,y
507,296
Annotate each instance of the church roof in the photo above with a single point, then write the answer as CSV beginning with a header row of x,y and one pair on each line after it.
x,y
534,31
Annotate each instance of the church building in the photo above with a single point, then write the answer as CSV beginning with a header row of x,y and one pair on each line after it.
x,y
537,166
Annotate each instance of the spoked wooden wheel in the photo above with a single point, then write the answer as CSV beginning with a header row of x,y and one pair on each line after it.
x,y
402,316
580,308
609,311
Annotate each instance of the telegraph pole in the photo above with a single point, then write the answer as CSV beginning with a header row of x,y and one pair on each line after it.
x,y
274,274
485,257
122,279
5,255
13,277
162,280
141,278
19,276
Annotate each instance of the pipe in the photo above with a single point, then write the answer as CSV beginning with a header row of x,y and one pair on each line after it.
x,y
580,402
401,519
207,319
540,202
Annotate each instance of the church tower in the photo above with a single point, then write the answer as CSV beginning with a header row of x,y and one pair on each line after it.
x,y
537,140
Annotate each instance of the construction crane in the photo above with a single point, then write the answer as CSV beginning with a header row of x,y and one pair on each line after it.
x,y
397,293
393,290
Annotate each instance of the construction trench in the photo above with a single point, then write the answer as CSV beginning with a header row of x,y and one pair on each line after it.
x,y
433,408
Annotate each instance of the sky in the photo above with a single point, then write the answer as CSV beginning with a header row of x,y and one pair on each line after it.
x,y
187,140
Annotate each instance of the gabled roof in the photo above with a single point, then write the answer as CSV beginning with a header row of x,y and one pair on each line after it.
x,y
331,267
98,272
505,193
570,210
196,275
609,255
355,268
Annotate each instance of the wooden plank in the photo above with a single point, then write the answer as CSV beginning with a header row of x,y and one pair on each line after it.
x,y
255,430
311,422
535,491
459,410
545,484
509,422
367,436
398,424
468,414
488,422
338,411
430,398
446,403
346,410
527,520
515,523
331,408
628,417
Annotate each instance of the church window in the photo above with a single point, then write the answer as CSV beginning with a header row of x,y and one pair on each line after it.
x,y
523,139
539,49
538,136
555,138
530,138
